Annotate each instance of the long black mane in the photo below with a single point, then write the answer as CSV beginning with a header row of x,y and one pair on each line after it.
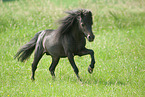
x,y
68,22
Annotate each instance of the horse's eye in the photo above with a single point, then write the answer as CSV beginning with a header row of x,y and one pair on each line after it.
x,y
82,25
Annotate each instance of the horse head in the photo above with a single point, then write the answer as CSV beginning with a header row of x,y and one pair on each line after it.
x,y
85,24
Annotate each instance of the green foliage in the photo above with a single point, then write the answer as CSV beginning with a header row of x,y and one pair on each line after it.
x,y
119,45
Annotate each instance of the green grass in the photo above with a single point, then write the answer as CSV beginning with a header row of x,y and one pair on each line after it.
x,y
119,45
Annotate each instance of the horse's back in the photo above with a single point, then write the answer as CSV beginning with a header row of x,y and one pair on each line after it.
x,y
48,31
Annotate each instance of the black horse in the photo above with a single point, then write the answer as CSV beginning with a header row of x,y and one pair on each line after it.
x,y
66,41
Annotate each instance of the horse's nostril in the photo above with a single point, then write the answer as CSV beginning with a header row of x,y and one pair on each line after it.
x,y
89,37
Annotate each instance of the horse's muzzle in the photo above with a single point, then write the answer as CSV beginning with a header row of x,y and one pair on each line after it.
x,y
90,38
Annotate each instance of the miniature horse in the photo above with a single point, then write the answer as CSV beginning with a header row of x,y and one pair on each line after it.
x,y
66,41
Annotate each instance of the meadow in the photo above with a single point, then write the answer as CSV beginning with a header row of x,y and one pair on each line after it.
x,y
119,46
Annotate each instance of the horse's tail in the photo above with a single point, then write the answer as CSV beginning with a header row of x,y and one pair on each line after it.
x,y
26,50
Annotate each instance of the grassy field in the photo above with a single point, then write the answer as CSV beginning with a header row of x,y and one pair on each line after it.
x,y
119,45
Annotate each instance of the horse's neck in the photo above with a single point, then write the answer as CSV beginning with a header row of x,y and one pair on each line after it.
x,y
76,33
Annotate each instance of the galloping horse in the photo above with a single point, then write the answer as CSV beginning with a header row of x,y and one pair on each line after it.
x,y
66,41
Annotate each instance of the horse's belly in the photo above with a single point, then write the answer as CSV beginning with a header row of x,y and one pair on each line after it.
x,y
55,49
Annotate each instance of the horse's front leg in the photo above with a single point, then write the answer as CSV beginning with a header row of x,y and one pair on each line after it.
x,y
72,62
86,52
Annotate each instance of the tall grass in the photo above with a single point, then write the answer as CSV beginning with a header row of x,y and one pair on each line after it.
x,y
119,27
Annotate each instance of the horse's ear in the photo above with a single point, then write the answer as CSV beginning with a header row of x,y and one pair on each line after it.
x,y
90,13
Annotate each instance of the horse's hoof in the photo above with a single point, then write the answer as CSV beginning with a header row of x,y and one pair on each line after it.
x,y
33,79
90,70
52,73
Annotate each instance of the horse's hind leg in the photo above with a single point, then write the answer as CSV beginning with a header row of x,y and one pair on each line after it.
x,y
37,56
54,63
